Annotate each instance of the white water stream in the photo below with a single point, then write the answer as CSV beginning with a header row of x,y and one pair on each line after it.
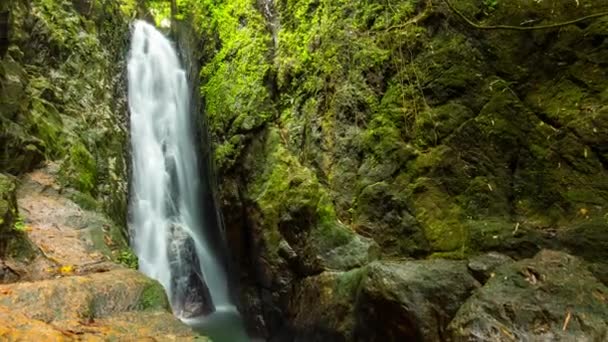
x,y
168,233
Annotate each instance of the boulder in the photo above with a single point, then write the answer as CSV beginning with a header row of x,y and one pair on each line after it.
x,y
482,266
551,297
118,304
384,301
332,317
191,295
411,301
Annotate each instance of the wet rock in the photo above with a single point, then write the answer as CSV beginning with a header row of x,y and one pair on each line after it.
x,y
483,266
551,297
191,295
7,275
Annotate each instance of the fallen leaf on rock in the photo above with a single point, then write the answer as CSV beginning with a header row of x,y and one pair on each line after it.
x,y
65,270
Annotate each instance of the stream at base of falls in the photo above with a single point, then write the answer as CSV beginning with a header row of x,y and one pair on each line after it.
x,y
168,232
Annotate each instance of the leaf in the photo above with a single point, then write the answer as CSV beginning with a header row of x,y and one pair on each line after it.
x,y
66,270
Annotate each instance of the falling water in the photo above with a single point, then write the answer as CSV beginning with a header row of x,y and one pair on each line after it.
x,y
168,232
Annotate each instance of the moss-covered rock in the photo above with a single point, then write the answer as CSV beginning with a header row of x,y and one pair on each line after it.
x,y
62,96
551,296
13,240
333,317
386,300
420,297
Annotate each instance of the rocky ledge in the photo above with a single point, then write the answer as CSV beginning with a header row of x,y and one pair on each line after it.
x,y
66,274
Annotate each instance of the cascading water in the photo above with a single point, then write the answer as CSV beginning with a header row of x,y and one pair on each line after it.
x,y
167,225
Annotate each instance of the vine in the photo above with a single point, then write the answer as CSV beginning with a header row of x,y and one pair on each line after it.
x,y
521,28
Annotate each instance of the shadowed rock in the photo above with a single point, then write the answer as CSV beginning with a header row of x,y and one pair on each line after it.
x,y
551,297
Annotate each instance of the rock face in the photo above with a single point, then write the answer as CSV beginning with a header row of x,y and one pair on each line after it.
x,y
401,126
551,297
63,94
482,266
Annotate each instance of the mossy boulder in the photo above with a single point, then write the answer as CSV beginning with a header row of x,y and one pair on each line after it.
x,y
333,316
385,300
551,296
420,297
294,207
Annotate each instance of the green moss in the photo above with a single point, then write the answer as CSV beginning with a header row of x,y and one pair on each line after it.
x,y
454,255
292,202
85,201
19,224
128,258
46,124
440,219
8,206
560,101
79,169
348,283
153,297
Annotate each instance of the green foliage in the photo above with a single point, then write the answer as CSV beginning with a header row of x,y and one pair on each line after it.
x,y
153,297
19,224
236,96
80,169
128,258
490,5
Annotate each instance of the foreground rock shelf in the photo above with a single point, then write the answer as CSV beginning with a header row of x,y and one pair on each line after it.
x,y
67,285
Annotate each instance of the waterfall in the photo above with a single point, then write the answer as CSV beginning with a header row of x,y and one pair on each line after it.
x,y
168,234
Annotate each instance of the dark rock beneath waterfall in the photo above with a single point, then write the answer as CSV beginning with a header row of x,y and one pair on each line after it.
x,y
551,297
190,292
